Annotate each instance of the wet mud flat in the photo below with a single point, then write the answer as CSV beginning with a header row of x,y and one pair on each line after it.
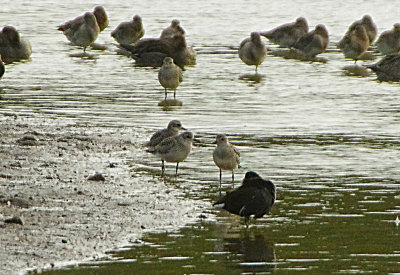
x,y
68,193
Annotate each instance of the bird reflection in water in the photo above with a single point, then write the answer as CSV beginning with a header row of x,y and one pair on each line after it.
x,y
254,252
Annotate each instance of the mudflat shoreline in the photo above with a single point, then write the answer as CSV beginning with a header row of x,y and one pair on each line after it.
x,y
52,213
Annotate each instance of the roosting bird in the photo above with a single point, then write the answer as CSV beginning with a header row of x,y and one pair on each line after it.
x,y
81,31
286,35
152,51
129,32
314,42
12,46
252,50
255,196
354,43
389,41
388,68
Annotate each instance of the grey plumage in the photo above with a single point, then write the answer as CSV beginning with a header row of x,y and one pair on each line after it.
x,y
225,156
252,50
169,75
82,31
172,130
174,149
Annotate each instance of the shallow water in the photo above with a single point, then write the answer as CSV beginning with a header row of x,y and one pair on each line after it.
x,y
329,142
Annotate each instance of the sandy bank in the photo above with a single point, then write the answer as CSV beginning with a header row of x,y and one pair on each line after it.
x,y
44,170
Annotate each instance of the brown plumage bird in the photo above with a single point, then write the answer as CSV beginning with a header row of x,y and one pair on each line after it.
x,y
101,17
255,196
129,32
314,42
173,29
152,51
286,35
389,41
81,31
354,43
370,27
12,46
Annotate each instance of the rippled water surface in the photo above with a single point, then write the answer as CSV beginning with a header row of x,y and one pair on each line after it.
x,y
329,142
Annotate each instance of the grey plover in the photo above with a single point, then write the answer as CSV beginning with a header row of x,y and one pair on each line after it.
x,y
173,149
286,35
388,68
12,46
172,30
252,50
129,32
172,130
389,41
370,27
82,31
255,196
354,43
314,42
169,75
226,157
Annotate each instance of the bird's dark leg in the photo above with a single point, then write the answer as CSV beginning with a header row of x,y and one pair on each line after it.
x,y
176,171
233,179
165,93
220,180
246,221
256,68
174,93
162,168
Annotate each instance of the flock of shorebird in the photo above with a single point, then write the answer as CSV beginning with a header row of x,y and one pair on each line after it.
x,y
255,196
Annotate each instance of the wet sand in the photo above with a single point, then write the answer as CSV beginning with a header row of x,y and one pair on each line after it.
x,y
44,171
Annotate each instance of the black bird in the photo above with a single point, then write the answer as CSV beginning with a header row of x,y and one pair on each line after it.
x,y
152,51
388,68
2,68
254,197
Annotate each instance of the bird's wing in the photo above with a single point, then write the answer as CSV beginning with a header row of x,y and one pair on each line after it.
x,y
72,25
166,145
244,42
304,41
